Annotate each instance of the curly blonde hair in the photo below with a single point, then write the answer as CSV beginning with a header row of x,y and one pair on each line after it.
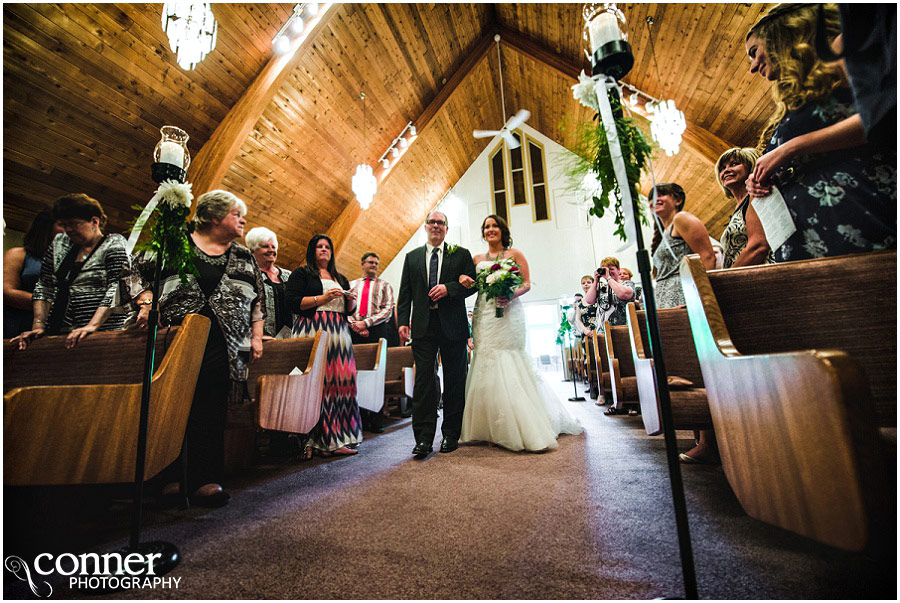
x,y
789,34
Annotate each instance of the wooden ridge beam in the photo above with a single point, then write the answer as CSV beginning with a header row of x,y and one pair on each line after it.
x,y
704,143
340,229
212,162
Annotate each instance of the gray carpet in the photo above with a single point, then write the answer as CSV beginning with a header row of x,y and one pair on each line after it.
x,y
591,520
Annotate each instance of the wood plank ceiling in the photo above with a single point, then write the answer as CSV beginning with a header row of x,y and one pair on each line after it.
x,y
87,87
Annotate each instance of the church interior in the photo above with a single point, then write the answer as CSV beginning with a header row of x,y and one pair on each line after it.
x,y
792,364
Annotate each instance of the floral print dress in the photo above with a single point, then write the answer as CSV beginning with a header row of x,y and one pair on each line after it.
x,y
843,201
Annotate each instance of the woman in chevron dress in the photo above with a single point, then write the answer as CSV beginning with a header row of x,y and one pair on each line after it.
x,y
318,295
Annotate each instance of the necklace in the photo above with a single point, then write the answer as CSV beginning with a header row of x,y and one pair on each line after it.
x,y
487,255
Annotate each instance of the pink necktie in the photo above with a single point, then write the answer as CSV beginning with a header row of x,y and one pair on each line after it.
x,y
364,300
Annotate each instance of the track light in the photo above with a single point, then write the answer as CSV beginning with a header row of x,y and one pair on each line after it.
x,y
282,44
395,152
385,163
297,25
403,143
412,131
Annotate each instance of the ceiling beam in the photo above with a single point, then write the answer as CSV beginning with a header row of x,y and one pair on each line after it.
x,y
704,143
340,229
212,162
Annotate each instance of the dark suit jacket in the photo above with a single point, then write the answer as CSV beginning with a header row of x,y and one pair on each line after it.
x,y
414,293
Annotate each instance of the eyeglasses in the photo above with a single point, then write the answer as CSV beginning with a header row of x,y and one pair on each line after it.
x,y
436,223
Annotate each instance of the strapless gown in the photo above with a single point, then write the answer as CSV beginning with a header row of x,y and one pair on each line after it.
x,y
506,401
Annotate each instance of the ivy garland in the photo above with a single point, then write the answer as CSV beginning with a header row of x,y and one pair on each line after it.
x,y
592,150
169,239
564,327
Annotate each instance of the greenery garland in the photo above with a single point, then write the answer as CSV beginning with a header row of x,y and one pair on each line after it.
x,y
591,149
564,327
169,233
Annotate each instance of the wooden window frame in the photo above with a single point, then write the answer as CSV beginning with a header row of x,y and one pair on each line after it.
x,y
526,151
525,167
501,148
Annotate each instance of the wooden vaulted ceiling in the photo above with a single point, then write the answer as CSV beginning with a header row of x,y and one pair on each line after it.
x,y
87,87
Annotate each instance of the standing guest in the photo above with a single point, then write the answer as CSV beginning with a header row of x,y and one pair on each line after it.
x,y
585,315
684,234
263,244
317,294
841,192
743,240
228,290
370,321
610,293
628,276
80,274
21,270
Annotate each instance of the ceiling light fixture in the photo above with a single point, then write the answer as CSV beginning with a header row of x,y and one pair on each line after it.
x,y
363,184
297,25
667,123
398,146
191,29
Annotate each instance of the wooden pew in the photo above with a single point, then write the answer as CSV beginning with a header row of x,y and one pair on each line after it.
x,y
690,409
603,381
83,430
793,356
371,367
591,367
291,403
623,381
399,359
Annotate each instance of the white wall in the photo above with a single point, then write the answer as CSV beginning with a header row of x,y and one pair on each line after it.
x,y
559,251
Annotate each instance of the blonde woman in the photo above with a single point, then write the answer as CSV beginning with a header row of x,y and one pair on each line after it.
x,y
841,193
743,240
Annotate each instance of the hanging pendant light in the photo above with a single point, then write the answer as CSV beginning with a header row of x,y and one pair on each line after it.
x,y
191,29
364,184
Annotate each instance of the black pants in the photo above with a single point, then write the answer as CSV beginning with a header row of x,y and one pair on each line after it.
x,y
425,391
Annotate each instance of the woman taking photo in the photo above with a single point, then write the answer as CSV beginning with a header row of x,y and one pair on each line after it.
x,y
318,294
79,275
21,270
841,193
228,290
263,243
743,240
683,234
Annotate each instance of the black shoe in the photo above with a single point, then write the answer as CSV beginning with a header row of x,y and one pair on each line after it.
x,y
210,501
448,445
405,414
422,450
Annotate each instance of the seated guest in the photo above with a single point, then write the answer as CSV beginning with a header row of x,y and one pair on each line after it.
x,y
743,240
317,294
228,290
263,244
684,234
841,192
21,269
80,273
370,321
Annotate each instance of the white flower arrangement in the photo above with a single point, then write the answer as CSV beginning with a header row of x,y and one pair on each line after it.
x,y
585,91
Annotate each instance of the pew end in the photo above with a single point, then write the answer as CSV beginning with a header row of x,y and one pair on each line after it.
x,y
291,403
371,367
87,434
796,429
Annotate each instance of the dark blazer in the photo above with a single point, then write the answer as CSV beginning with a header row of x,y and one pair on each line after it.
x,y
414,293
302,284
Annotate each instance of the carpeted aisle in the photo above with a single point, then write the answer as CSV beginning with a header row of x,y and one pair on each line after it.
x,y
591,520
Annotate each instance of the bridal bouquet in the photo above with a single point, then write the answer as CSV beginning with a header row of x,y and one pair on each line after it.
x,y
499,280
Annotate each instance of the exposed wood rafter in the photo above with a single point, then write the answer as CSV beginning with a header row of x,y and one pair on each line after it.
x,y
707,145
213,161
344,223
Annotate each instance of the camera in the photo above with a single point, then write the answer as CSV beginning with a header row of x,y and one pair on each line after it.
x,y
602,271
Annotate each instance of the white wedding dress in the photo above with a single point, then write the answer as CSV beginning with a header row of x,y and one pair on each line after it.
x,y
506,401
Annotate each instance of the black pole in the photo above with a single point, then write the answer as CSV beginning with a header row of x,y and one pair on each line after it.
x,y
665,407
576,397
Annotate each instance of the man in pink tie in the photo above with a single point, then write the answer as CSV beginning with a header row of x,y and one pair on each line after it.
x,y
369,322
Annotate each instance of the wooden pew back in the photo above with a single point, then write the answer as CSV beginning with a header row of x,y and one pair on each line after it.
x,y
398,358
280,356
847,303
107,357
87,434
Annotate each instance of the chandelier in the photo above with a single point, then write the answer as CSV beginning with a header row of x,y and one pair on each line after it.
x,y
666,125
191,28
364,184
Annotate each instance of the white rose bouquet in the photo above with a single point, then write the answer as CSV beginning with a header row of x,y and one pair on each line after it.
x,y
499,280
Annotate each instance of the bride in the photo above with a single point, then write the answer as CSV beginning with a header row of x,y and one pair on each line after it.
x,y
506,402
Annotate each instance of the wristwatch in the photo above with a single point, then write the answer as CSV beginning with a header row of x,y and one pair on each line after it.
x,y
146,302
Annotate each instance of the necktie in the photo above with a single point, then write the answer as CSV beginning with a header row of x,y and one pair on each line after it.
x,y
364,299
433,269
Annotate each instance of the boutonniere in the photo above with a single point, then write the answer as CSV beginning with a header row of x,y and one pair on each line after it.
x,y
451,249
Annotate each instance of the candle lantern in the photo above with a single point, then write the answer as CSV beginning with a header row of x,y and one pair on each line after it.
x,y
610,52
171,156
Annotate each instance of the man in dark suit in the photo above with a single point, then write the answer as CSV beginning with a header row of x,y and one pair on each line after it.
x,y
430,291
